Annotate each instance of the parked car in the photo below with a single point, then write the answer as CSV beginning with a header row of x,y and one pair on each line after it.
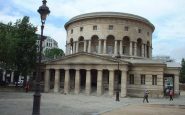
x,y
19,83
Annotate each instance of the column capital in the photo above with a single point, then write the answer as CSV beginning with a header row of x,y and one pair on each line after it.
x,y
111,69
56,68
88,69
66,69
99,69
77,69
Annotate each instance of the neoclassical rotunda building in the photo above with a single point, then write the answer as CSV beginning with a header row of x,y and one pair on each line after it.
x,y
90,65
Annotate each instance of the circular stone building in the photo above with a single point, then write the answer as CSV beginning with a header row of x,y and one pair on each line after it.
x,y
90,66
107,33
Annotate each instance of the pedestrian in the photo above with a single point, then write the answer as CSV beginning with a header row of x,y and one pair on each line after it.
x,y
171,95
146,92
27,87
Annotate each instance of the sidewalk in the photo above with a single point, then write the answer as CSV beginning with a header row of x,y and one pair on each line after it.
x,y
148,109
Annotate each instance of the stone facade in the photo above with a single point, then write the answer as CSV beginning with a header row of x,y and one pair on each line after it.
x,y
90,66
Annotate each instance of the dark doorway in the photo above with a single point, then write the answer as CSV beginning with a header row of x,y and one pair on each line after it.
x,y
82,79
94,80
72,79
168,83
52,78
105,80
62,78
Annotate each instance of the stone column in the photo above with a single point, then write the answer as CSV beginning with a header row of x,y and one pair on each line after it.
x,y
28,77
121,47
88,82
89,46
77,82
104,46
99,46
12,76
142,50
4,73
130,48
67,81
176,84
115,47
85,44
70,49
111,82
145,50
57,81
76,46
47,81
151,52
66,49
124,84
73,47
135,49
99,83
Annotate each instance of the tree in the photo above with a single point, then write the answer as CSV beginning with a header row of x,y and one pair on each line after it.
x,y
26,46
53,53
18,46
182,71
7,46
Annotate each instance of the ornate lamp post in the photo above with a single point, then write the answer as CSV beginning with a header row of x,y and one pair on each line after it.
x,y
117,84
43,11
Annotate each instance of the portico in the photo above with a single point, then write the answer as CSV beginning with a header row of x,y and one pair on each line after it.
x,y
91,75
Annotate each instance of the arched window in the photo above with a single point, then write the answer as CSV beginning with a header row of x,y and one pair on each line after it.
x,y
94,44
80,44
126,45
110,44
139,47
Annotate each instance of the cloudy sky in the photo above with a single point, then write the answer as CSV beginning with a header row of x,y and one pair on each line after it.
x,y
167,16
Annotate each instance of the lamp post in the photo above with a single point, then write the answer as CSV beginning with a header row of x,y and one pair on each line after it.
x,y
43,11
117,84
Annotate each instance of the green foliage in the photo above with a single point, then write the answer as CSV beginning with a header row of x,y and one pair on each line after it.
x,y
182,71
53,53
18,46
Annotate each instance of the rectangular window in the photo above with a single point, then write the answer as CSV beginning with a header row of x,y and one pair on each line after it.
x,y
139,30
71,31
94,27
148,33
142,79
81,29
131,77
154,79
126,28
110,27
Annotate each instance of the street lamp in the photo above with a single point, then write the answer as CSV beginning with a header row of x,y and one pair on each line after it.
x,y
117,84
43,11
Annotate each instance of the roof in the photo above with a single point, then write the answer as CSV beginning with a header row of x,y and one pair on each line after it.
x,y
109,14
144,61
173,64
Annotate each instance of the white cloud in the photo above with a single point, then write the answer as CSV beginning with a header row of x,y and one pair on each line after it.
x,y
56,33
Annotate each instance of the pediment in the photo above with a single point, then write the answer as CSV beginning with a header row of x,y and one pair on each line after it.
x,y
84,58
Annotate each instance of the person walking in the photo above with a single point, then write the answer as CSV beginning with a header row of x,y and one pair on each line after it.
x,y
171,95
27,87
145,96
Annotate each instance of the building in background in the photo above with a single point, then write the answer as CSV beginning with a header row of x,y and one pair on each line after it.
x,y
48,43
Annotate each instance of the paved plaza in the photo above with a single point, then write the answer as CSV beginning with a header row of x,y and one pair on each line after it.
x,y
20,103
